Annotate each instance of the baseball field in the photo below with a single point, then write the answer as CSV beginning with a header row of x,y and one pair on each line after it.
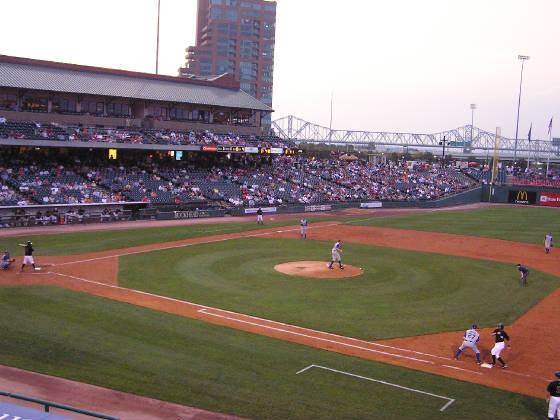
x,y
197,314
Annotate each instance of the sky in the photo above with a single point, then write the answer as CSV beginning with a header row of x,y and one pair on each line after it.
x,y
389,65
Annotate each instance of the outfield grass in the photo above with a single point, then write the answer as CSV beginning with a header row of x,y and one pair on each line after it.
x,y
138,350
518,224
402,293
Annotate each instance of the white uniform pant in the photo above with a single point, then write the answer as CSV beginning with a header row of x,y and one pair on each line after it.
x,y
497,349
554,407
336,256
259,218
28,259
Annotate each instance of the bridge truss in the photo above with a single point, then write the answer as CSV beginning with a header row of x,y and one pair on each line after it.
x,y
465,140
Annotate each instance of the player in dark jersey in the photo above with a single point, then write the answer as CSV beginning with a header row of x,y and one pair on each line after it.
x,y
501,337
524,271
553,398
28,255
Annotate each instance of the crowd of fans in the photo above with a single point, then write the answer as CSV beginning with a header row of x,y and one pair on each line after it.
x,y
246,181
53,131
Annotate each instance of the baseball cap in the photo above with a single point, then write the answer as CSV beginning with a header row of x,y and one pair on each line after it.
x,y
474,326
557,374
28,242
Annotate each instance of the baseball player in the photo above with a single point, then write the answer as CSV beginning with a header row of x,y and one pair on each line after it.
x,y
501,337
303,229
524,271
260,216
547,242
335,252
470,338
6,260
28,255
553,398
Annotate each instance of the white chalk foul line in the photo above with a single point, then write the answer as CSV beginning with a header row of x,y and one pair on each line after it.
x,y
312,337
464,370
449,400
172,247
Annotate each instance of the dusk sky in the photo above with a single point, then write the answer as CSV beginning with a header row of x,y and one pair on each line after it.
x,y
392,65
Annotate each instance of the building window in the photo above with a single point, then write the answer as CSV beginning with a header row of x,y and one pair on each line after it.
x,y
225,28
231,15
249,49
269,7
225,66
247,71
64,105
217,2
225,47
205,66
250,88
118,110
250,13
250,28
265,119
231,3
266,93
34,103
267,71
268,51
215,13
268,30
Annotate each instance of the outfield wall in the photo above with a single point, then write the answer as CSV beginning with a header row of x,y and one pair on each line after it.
x,y
522,194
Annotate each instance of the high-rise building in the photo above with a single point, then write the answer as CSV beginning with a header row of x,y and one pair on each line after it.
x,y
236,37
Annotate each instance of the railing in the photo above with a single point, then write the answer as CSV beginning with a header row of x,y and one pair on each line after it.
x,y
49,404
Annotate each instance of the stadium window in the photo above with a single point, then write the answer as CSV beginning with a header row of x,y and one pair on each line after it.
x,y
34,103
217,2
270,7
64,105
8,101
100,108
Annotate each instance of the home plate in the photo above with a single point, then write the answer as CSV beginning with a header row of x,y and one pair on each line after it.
x,y
37,268
486,365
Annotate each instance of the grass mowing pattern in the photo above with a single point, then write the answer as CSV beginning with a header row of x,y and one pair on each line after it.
x,y
402,293
146,352
525,224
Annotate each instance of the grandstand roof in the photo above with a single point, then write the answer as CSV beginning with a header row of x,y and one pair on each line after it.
x,y
61,77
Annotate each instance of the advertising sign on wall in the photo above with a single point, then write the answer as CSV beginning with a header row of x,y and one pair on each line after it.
x,y
522,197
549,199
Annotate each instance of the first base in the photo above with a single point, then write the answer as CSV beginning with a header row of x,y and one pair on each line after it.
x,y
486,365
38,269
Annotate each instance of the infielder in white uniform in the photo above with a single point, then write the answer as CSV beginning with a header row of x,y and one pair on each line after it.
x,y
303,230
336,250
470,339
547,242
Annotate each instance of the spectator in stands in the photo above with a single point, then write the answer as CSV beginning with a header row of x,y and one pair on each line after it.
x,y
81,215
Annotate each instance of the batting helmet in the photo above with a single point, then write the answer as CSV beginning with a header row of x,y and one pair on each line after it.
x,y
28,242
500,326
557,374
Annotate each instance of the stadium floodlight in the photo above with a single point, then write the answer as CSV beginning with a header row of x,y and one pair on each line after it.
x,y
523,58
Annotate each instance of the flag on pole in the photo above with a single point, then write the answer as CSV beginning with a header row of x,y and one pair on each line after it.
x,y
550,126
529,135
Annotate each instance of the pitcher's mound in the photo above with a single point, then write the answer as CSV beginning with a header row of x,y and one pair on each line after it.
x,y
318,269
